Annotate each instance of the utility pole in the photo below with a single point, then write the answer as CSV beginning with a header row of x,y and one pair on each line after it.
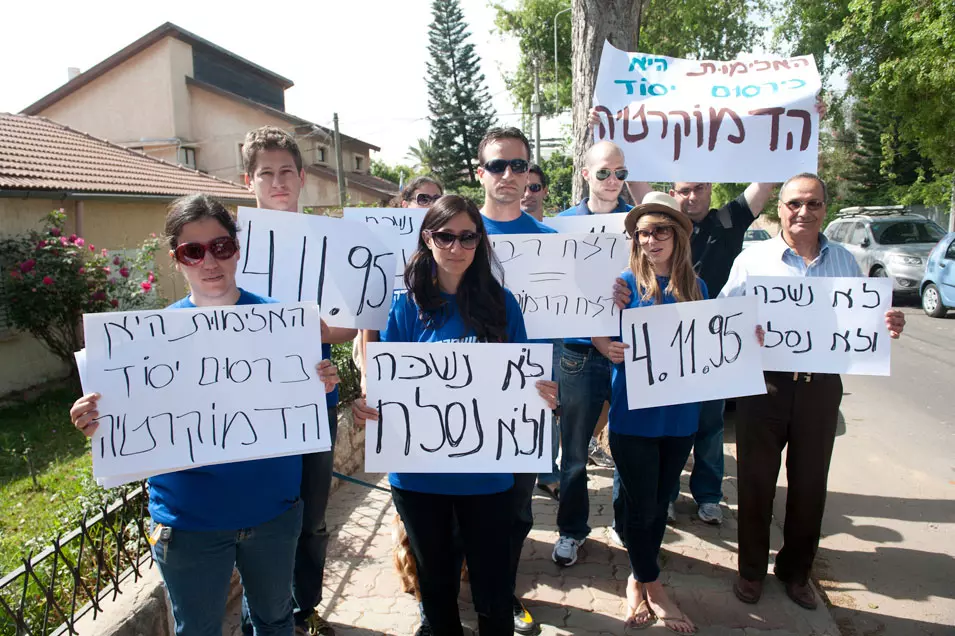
x,y
339,169
536,112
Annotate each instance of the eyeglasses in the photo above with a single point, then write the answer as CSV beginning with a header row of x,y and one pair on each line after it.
x,y
813,205
222,248
658,232
698,189
445,240
425,200
535,187
498,166
604,173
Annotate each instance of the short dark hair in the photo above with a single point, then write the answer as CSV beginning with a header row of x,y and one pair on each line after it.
x,y
497,134
807,175
407,193
536,169
268,138
192,208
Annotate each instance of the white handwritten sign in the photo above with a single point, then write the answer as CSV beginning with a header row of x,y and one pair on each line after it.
x,y
345,266
194,387
691,352
599,223
407,222
692,120
564,282
824,325
458,408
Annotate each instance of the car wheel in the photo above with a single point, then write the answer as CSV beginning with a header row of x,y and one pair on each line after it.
x,y
932,301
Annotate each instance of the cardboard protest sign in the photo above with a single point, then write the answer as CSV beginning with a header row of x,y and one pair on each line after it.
x,y
458,408
407,223
599,223
564,282
741,120
824,325
691,352
194,387
345,266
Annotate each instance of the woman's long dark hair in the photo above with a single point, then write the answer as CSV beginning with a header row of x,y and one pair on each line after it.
x,y
480,297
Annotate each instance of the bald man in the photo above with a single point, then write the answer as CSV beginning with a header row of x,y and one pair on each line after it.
x,y
584,374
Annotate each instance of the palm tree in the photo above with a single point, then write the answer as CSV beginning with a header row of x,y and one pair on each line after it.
x,y
422,155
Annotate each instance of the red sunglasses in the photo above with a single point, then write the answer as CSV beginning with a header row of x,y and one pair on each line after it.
x,y
222,248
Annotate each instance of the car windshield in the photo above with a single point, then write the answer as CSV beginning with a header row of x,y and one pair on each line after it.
x,y
757,235
904,232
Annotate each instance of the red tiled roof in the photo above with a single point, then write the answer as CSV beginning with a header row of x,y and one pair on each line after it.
x,y
39,154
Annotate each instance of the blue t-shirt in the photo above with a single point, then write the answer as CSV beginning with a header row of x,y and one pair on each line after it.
x,y
524,224
405,325
678,420
226,496
583,209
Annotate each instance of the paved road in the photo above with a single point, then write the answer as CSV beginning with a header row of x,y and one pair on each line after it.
x,y
887,559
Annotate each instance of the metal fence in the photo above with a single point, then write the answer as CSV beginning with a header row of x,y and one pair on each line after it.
x,y
54,589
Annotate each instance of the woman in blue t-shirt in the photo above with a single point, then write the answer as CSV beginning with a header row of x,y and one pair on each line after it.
x,y
209,519
453,296
650,446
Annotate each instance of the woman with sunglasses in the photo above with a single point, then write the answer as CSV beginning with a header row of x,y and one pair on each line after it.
x,y
209,519
454,296
420,192
650,446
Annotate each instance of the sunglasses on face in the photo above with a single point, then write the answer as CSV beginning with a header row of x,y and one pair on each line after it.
x,y
535,187
425,200
813,205
222,248
659,233
604,173
698,189
498,166
445,240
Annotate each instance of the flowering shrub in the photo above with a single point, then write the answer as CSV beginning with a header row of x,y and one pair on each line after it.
x,y
51,280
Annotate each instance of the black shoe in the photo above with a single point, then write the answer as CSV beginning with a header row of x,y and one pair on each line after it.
x,y
523,621
552,490
424,629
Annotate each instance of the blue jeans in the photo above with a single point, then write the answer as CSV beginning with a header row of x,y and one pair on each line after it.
x,y
584,387
706,480
553,477
197,569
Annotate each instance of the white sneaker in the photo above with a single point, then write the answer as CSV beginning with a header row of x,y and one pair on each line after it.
x,y
671,513
565,551
711,513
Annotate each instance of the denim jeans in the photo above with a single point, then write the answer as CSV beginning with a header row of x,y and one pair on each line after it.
x,y
309,573
429,523
584,387
553,477
706,480
197,568
648,467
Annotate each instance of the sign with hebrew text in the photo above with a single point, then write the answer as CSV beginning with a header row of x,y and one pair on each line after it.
x,y
691,352
405,221
458,408
610,223
192,387
743,120
824,325
345,266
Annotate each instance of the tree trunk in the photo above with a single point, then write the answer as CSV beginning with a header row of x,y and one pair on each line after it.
x,y
593,22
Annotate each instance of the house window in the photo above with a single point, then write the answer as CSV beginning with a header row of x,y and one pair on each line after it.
x,y
187,157
320,155
358,163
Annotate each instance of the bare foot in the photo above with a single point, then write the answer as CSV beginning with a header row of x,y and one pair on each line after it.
x,y
638,612
666,610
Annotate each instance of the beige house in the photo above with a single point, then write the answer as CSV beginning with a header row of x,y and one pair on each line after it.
x,y
178,97
113,197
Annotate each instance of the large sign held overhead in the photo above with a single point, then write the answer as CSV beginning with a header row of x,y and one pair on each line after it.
x,y
345,266
750,119
458,408
194,387
564,282
407,224
824,325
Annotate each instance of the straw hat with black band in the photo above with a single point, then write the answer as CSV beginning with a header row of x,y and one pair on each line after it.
x,y
657,203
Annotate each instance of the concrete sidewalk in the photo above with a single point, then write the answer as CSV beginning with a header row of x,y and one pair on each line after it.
x,y
699,565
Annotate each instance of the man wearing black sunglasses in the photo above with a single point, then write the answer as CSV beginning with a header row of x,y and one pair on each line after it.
x,y
535,192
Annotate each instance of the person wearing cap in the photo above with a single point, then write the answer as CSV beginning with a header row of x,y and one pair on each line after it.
x,y
650,445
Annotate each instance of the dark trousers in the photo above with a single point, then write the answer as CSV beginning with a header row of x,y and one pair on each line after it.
x,y
802,416
647,468
523,517
429,523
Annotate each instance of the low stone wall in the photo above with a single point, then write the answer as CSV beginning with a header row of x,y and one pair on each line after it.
x,y
142,609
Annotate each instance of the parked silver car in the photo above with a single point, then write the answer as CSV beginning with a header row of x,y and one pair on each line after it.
x,y
887,242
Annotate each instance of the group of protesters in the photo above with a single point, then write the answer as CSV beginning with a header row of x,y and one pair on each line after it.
x,y
266,517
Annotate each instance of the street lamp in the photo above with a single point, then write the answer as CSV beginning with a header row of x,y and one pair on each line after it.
x,y
556,84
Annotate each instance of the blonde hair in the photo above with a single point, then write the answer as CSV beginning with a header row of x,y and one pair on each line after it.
x,y
683,285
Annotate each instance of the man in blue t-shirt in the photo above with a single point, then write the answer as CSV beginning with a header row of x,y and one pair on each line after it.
x,y
275,173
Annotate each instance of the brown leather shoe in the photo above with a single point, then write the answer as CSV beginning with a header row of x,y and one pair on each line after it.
x,y
801,594
748,591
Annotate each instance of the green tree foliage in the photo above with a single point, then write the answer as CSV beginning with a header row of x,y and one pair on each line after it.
x,y
397,174
458,97
422,156
559,168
